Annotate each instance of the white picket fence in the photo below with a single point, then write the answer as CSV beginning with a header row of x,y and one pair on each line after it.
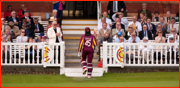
x,y
12,50
108,54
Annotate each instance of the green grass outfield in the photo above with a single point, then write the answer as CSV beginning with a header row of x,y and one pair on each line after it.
x,y
154,79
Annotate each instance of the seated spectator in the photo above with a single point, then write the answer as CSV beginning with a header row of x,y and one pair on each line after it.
x,y
38,27
14,19
3,25
21,38
145,33
30,48
118,20
136,25
54,13
150,26
103,31
7,34
146,49
29,32
156,17
108,21
122,40
145,11
163,25
117,37
38,39
7,13
21,11
123,20
159,39
117,29
142,18
27,17
172,49
100,23
174,36
167,19
128,33
159,28
172,25
40,47
5,49
134,38
14,30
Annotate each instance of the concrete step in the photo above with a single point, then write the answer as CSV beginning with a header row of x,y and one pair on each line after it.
x,y
78,64
77,72
79,21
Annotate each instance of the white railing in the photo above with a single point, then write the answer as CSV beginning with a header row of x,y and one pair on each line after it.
x,y
15,54
109,52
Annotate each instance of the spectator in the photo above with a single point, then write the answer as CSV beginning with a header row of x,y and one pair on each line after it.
x,y
136,25
7,13
5,49
38,27
6,33
142,18
174,36
3,25
167,19
156,17
27,17
122,40
38,39
115,6
145,11
146,49
14,19
117,38
108,21
134,38
100,23
30,48
128,33
123,20
172,25
150,26
164,26
22,11
24,23
159,28
145,33
160,38
29,31
117,29
21,38
54,14
14,30
103,31
172,50
40,47
118,20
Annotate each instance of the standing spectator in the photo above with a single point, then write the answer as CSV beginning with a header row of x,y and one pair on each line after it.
x,y
145,33
38,27
117,38
128,33
108,21
27,17
100,23
159,28
3,25
14,30
156,17
54,14
136,25
14,19
118,20
167,19
117,29
174,36
145,11
172,25
150,26
164,26
22,11
7,13
123,20
29,31
21,38
146,49
134,38
115,6
142,18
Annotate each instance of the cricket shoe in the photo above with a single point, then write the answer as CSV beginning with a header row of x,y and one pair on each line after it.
x,y
89,76
84,71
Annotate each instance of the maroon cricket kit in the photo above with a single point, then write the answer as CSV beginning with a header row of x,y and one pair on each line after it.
x,y
88,43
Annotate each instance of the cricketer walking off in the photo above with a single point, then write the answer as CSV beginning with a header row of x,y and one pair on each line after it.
x,y
87,44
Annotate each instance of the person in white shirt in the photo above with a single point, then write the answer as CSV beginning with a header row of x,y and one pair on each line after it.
x,y
123,20
144,50
174,36
136,25
54,13
172,25
21,38
108,21
100,23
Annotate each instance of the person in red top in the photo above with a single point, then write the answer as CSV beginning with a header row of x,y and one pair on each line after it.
x,y
87,41
21,11
7,13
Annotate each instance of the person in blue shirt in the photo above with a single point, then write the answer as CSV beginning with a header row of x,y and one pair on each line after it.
x,y
134,38
117,37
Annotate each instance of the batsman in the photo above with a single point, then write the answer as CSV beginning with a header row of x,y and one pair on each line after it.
x,y
87,44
